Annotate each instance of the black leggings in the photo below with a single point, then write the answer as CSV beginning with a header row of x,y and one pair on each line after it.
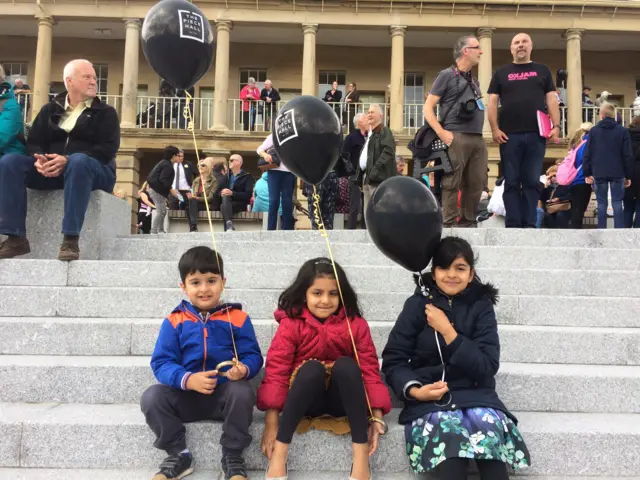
x,y
580,196
456,469
309,397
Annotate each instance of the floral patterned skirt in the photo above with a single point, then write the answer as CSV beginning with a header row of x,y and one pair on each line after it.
x,y
476,433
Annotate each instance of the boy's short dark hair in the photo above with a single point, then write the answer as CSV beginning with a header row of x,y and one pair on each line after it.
x,y
170,152
200,259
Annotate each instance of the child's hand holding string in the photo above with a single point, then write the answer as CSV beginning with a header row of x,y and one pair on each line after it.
x,y
439,321
375,430
430,392
238,372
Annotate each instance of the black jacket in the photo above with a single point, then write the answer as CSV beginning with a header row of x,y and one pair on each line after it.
x,y
472,359
608,152
336,97
96,133
352,145
635,146
273,95
161,177
242,188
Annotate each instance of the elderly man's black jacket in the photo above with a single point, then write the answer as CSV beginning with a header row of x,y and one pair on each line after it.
x,y
96,133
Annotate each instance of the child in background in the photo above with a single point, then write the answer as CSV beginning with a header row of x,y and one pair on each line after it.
x,y
193,340
311,371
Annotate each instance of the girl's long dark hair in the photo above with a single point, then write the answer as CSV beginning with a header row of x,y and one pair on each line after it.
x,y
293,299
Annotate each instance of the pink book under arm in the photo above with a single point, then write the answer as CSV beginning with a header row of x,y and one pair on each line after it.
x,y
544,124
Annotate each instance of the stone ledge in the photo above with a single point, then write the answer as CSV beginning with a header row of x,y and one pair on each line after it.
x,y
107,217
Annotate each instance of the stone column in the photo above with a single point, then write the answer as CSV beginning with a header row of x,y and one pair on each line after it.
x,y
221,92
43,65
485,71
130,72
396,93
573,37
309,80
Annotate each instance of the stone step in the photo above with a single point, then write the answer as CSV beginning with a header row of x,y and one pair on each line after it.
x,y
142,274
112,474
122,379
515,257
49,435
554,309
137,336
622,238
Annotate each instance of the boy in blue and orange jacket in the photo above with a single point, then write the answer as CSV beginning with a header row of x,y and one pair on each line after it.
x,y
194,339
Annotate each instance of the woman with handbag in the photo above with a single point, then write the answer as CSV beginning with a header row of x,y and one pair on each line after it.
x,y
281,182
555,202
200,190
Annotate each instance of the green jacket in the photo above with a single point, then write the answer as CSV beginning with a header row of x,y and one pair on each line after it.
x,y
381,156
210,187
11,124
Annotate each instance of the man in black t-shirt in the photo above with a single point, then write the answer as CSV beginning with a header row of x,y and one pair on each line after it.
x,y
522,88
460,127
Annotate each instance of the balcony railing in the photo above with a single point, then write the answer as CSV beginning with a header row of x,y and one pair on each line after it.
x,y
257,116
168,112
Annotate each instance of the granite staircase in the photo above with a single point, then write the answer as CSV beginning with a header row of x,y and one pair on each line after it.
x,y
76,340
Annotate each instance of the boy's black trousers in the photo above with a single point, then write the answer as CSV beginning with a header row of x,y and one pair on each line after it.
x,y
167,410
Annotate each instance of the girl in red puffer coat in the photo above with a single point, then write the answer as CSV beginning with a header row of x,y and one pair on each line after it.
x,y
312,374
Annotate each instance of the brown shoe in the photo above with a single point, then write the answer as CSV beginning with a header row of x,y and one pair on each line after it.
x,y
69,250
14,246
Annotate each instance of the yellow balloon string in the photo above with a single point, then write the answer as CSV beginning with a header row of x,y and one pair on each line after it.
x,y
187,115
323,232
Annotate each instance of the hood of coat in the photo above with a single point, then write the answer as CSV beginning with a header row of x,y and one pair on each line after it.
x,y
474,292
306,316
607,123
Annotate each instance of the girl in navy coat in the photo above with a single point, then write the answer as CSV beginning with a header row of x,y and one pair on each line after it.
x,y
441,358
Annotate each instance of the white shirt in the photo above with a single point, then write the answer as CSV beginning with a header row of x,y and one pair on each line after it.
x,y
181,182
266,145
365,151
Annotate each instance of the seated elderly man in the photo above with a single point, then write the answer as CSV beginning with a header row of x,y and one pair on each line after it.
x,y
72,146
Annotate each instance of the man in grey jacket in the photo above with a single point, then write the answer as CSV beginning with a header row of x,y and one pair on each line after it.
x,y
378,157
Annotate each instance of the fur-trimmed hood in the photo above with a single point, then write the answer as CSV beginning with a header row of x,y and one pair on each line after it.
x,y
474,292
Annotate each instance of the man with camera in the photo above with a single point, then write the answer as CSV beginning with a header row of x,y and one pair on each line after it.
x,y
460,127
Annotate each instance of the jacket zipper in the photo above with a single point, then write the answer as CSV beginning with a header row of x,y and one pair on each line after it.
x,y
204,361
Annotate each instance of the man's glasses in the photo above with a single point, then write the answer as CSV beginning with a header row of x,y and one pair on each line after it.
x,y
477,47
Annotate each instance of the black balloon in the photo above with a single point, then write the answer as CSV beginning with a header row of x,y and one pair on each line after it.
x,y
178,42
308,138
405,222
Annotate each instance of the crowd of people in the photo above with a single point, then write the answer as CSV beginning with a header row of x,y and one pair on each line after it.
x,y
602,159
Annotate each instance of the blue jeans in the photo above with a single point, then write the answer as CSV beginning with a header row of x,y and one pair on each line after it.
x,y
280,185
602,196
522,158
80,177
